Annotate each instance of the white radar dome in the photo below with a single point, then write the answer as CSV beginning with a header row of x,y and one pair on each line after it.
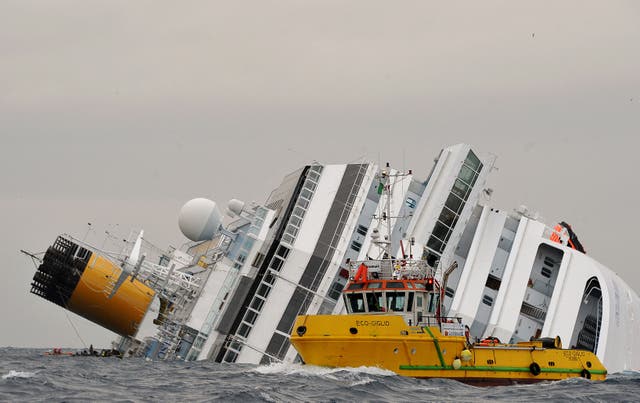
x,y
235,207
199,219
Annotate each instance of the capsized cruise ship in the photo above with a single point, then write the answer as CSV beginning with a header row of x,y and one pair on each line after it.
x,y
232,294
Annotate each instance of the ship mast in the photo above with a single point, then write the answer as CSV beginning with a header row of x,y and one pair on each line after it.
x,y
385,190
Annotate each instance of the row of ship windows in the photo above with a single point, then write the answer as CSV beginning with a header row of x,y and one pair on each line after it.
x,y
362,230
278,260
231,356
395,301
487,300
300,209
390,284
357,245
241,258
455,203
460,189
335,291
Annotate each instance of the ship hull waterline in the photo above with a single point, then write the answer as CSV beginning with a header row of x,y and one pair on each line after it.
x,y
423,352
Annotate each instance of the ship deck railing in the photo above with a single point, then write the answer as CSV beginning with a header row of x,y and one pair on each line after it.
x,y
392,269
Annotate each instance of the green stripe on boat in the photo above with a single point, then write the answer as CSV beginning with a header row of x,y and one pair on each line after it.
x,y
496,369
437,345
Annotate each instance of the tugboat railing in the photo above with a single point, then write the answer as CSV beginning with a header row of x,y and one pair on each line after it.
x,y
392,269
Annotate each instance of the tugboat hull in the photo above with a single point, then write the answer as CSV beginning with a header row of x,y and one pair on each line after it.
x,y
385,341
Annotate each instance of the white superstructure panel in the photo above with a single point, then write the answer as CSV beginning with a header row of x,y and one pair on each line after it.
x,y
619,346
566,299
260,336
508,302
474,275
620,310
343,242
259,240
319,208
292,270
434,195
208,294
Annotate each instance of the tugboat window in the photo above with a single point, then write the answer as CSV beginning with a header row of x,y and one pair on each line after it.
x,y
356,302
395,301
410,302
375,302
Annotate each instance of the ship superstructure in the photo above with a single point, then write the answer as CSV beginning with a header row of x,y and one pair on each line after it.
x,y
249,279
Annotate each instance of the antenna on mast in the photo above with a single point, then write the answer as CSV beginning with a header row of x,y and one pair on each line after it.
x,y
388,178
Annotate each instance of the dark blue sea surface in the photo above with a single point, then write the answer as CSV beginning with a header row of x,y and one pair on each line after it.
x,y
28,375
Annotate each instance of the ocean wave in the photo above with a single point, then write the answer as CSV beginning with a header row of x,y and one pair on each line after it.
x,y
29,376
628,372
312,370
18,374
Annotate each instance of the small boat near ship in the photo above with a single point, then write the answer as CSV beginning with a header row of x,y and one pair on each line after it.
x,y
90,352
393,323
57,352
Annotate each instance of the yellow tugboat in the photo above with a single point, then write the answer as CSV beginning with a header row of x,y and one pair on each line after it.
x,y
378,332
394,321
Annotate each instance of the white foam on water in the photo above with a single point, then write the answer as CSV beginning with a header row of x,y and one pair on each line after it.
x,y
312,370
18,374
266,397
363,381
627,372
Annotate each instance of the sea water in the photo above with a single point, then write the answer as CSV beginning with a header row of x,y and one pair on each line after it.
x,y
28,375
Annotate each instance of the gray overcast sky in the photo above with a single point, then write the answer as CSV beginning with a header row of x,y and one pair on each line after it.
x,y
118,112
